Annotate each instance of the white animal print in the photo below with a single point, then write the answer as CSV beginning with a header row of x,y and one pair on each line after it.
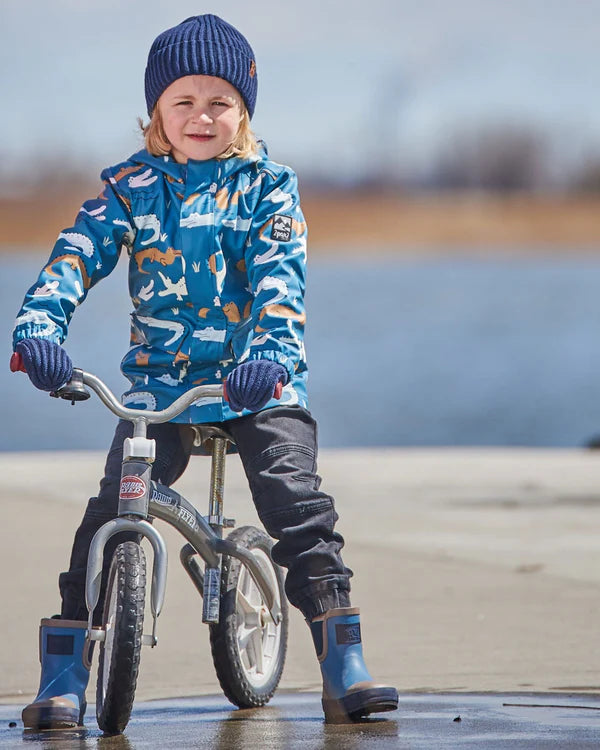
x,y
78,288
262,339
145,398
204,400
271,254
146,292
170,325
96,212
220,277
272,282
301,249
142,180
148,222
126,224
168,380
278,196
173,287
209,334
197,220
38,318
238,225
289,395
47,290
78,242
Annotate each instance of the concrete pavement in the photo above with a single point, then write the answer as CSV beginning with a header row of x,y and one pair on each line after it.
x,y
476,571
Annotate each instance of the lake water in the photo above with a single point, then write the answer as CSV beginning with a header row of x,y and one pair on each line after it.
x,y
404,350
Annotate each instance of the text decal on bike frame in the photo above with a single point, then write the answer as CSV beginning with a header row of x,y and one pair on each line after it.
x,y
132,487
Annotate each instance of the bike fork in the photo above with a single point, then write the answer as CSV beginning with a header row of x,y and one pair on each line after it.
x,y
134,495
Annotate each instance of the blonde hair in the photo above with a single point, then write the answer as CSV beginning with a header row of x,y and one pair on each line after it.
x,y
244,144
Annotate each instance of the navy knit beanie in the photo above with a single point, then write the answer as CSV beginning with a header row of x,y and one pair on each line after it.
x,y
201,45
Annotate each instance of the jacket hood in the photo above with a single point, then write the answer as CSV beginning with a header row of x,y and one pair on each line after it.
x,y
169,166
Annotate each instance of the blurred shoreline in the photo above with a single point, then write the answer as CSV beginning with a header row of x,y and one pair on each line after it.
x,y
355,221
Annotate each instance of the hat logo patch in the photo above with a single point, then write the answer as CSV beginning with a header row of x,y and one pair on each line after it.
x,y
282,228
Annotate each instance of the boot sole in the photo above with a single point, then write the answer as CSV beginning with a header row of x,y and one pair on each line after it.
x,y
41,719
357,706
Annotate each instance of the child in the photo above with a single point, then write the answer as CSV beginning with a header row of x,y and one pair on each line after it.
x,y
217,246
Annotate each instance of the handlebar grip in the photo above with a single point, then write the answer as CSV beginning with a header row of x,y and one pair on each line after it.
x,y
16,363
276,393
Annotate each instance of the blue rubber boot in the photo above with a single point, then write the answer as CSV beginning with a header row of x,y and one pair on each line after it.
x,y
65,658
349,693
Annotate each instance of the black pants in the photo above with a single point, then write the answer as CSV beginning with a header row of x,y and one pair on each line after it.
x,y
278,449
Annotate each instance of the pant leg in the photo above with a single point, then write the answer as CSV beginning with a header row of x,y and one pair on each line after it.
x,y
278,448
173,446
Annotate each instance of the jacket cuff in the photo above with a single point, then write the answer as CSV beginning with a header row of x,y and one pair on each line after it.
x,y
281,359
34,332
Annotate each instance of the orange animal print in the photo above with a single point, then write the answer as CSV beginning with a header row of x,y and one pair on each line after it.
x,y
154,255
75,262
281,311
232,312
173,179
203,312
142,358
181,357
223,199
191,199
241,265
124,171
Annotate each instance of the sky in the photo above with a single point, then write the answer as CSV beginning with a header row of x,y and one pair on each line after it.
x,y
342,85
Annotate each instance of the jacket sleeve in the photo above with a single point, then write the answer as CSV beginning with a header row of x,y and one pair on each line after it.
x,y
276,267
82,255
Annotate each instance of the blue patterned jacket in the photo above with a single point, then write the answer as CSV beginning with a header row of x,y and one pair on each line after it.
x,y
217,253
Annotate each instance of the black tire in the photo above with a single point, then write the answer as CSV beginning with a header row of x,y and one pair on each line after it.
x,y
123,620
239,650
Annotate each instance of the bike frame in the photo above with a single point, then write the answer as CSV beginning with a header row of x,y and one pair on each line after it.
x,y
141,499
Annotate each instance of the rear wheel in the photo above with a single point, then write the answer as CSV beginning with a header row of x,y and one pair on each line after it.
x,y
248,648
123,621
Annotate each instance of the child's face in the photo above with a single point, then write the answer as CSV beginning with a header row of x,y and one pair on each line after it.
x,y
200,116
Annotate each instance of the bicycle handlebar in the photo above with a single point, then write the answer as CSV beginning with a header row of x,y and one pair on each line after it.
x,y
74,390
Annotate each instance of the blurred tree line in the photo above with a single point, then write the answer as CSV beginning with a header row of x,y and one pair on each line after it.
x,y
495,158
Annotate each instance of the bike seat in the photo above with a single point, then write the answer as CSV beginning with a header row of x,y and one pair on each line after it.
x,y
205,433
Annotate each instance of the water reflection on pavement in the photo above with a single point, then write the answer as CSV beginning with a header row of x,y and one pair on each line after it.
x,y
294,720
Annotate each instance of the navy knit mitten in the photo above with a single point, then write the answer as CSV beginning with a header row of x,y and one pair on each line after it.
x,y
48,365
253,383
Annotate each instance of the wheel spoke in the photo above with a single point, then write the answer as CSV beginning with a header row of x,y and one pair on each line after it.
x,y
246,605
257,649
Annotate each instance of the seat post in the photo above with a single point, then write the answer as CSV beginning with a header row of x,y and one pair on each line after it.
x,y
217,484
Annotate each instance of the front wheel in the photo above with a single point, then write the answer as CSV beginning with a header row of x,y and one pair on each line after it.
x,y
248,648
122,621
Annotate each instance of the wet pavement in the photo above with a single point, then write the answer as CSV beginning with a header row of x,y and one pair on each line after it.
x,y
294,720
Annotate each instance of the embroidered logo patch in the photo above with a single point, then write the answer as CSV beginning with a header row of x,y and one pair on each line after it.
x,y
282,228
347,634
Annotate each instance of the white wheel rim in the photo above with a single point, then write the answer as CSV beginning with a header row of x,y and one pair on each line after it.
x,y
258,638
109,637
